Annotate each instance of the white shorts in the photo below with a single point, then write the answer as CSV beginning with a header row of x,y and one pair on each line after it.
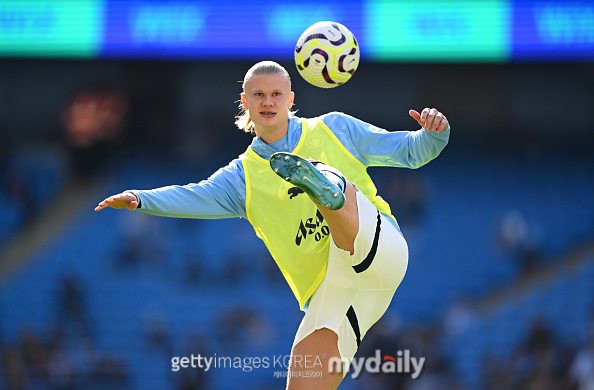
x,y
358,289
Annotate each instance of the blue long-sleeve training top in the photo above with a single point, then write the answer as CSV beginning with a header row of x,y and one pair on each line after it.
x,y
223,194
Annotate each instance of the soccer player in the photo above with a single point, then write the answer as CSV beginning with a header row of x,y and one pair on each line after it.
x,y
303,185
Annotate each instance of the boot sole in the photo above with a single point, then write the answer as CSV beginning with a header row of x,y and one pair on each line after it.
x,y
301,173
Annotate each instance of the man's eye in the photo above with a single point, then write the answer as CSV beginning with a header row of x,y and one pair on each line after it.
x,y
276,94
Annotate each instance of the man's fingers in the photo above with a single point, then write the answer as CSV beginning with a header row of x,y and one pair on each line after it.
x,y
102,205
436,123
429,123
424,114
419,117
443,125
415,115
426,118
430,119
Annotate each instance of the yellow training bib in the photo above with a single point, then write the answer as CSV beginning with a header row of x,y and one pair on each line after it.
x,y
289,222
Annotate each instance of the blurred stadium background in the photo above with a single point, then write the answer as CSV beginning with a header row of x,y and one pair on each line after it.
x,y
101,96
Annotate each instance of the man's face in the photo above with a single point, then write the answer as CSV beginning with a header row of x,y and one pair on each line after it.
x,y
268,98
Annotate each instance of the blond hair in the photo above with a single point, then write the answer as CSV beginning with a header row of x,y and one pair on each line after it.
x,y
243,120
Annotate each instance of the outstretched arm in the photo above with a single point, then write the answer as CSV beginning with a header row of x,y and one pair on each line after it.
x,y
220,196
374,146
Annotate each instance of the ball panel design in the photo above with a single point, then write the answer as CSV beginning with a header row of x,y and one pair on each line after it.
x,y
327,54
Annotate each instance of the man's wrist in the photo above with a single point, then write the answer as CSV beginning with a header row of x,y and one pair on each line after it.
x,y
135,195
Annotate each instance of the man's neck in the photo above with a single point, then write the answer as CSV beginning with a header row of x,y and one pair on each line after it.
x,y
270,136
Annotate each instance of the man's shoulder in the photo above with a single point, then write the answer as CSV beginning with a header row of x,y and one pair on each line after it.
x,y
330,119
333,115
328,115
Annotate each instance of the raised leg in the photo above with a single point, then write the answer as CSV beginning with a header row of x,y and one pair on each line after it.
x,y
335,197
344,222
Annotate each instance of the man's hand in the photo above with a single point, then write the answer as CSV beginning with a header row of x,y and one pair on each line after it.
x,y
125,200
430,119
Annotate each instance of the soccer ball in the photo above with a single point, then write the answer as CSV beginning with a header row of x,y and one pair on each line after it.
x,y
327,54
